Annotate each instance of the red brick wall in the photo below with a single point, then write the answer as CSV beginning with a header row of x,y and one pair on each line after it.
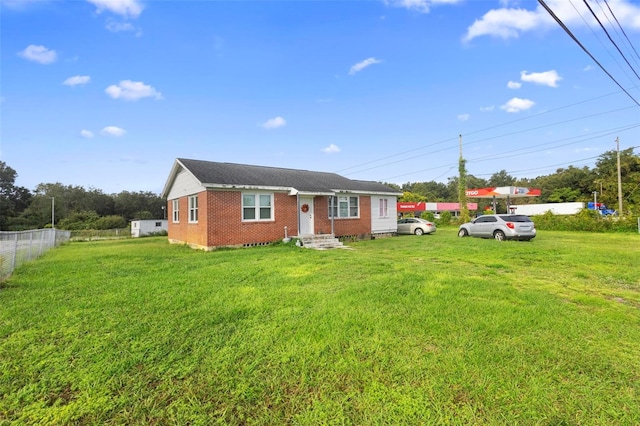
x,y
341,227
226,227
185,232
220,220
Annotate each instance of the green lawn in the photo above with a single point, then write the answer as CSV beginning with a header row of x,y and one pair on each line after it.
x,y
407,330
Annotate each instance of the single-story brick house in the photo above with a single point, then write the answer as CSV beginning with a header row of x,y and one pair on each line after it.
x,y
213,204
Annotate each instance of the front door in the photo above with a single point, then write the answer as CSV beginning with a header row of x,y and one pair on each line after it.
x,y
305,213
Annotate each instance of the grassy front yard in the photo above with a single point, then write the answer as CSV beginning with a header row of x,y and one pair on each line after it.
x,y
407,330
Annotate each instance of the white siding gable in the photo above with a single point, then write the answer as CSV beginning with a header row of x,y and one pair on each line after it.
x,y
184,184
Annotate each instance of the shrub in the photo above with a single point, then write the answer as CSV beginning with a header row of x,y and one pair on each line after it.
x,y
428,216
585,220
79,220
110,222
445,218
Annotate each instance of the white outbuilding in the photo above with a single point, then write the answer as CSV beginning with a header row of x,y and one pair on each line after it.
x,y
141,228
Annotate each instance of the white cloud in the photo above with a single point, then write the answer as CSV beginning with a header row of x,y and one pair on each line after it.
x,y
113,131
126,8
547,78
117,27
331,149
487,108
588,68
511,22
422,6
39,54
77,80
507,23
274,123
587,149
517,105
464,117
514,85
132,91
87,133
362,65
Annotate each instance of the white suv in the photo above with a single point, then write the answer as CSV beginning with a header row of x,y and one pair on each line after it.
x,y
499,226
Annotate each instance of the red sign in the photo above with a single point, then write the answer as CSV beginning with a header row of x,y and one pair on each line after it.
x,y
412,207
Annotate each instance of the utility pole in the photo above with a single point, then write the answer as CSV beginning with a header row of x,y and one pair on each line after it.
x,y
462,187
53,210
619,178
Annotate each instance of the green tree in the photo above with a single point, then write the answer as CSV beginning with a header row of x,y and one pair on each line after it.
x,y
433,191
110,222
572,178
472,182
562,195
130,204
13,199
410,197
502,178
606,179
462,189
80,220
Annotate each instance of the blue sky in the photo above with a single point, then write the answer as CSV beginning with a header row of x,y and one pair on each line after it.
x,y
107,93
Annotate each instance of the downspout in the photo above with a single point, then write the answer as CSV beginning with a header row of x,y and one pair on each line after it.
x,y
298,211
331,198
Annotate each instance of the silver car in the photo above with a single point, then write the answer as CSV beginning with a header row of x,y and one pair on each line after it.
x,y
499,226
415,225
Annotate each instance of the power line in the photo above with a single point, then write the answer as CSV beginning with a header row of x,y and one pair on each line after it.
x,y
588,25
568,31
611,39
384,161
420,148
544,168
556,165
622,29
597,136
388,163
451,166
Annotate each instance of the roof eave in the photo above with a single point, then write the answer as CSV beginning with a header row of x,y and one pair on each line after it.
x,y
362,192
242,186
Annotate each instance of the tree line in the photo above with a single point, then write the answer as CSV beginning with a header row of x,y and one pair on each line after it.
x,y
79,208
70,206
568,184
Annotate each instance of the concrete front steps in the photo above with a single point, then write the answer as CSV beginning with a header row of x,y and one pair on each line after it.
x,y
321,242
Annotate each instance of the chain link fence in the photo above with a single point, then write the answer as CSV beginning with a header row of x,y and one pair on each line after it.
x,y
19,247
100,234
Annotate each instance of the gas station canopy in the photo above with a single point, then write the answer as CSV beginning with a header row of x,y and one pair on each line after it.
x,y
507,192
503,192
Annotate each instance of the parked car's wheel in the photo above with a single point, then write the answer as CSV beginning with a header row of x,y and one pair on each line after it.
x,y
463,233
499,235
418,231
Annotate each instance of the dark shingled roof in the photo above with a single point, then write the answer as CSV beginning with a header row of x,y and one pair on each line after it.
x,y
208,172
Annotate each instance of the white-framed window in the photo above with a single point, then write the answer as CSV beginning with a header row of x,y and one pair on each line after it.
x,y
257,207
344,207
383,207
193,209
175,210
